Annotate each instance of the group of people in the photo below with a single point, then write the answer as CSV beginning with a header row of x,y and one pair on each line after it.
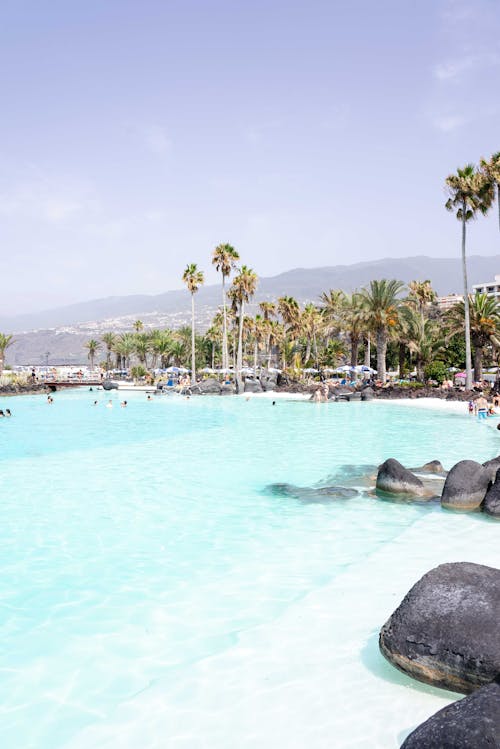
x,y
5,414
482,409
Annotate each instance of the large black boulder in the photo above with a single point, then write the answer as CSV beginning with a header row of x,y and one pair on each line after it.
x,y
465,486
492,467
491,502
210,386
109,385
268,380
252,386
393,478
446,631
470,723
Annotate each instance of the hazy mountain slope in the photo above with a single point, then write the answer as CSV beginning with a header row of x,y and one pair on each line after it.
x,y
303,283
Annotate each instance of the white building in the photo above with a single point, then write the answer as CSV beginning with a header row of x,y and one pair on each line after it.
x,y
492,288
448,301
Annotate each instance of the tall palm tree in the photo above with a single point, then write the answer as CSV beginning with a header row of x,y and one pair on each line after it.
x,y
484,326
92,347
142,347
381,303
420,335
109,340
289,309
124,348
193,278
469,192
491,170
224,257
242,290
161,346
310,323
421,294
352,316
5,342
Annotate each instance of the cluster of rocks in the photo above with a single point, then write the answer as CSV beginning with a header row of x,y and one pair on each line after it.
x,y
468,485
22,388
446,633
212,386
313,494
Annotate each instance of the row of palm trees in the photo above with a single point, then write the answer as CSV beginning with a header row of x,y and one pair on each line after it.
x,y
340,328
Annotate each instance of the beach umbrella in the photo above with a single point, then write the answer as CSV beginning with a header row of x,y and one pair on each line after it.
x,y
173,370
452,369
273,370
311,370
328,370
207,370
223,371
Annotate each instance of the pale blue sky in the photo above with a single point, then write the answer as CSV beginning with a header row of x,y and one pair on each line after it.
x,y
138,134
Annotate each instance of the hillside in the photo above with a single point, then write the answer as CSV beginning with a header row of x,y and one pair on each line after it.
x,y
62,331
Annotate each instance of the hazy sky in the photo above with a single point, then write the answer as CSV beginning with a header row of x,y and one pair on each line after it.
x,y
137,134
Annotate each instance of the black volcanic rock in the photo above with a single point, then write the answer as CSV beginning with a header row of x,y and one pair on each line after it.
x,y
465,486
446,631
491,502
470,723
393,478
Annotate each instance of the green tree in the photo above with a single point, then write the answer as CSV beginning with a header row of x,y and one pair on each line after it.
x,y
381,304
484,326
92,347
470,193
5,342
109,340
491,170
224,257
193,278
242,290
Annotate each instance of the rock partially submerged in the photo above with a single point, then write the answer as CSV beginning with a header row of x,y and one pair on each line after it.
x,y
394,478
465,486
492,467
471,723
446,630
491,502
313,494
433,466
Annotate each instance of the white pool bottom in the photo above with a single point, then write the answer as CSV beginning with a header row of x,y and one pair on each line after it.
x,y
307,690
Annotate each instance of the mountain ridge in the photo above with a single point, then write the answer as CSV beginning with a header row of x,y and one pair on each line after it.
x,y
304,283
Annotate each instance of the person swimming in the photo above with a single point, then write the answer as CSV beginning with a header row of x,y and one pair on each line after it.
x,y
1,414
50,399
7,412
109,404
123,404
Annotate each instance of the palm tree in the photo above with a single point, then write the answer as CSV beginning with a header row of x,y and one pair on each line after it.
x,y
420,336
381,304
484,325
5,342
109,340
92,347
161,346
243,288
421,294
352,315
310,322
470,192
142,347
138,326
193,278
491,170
124,348
289,309
224,257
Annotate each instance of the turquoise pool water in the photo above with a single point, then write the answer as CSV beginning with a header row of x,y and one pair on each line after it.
x,y
153,593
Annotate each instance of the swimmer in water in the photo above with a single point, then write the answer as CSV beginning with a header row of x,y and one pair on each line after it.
x,y
7,412
109,404
50,399
123,404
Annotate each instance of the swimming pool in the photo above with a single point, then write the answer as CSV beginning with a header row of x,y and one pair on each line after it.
x,y
154,593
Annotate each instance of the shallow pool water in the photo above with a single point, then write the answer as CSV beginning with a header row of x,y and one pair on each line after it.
x,y
154,592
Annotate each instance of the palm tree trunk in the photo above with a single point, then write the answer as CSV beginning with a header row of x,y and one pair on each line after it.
x,y
315,350
193,346
498,202
255,354
354,350
225,355
420,368
308,350
478,363
381,354
368,353
1,362
402,358
468,360
213,354
239,358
